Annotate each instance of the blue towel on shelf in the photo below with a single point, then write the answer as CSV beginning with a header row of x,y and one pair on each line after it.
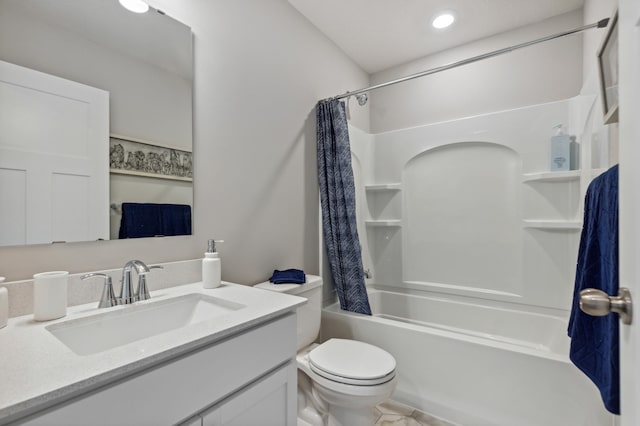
x,y
151,220
594,340
292,276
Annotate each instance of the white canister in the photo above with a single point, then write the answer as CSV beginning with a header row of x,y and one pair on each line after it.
x,y
50,295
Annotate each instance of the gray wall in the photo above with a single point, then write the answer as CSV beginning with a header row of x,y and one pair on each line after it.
x,y
537,74
260,68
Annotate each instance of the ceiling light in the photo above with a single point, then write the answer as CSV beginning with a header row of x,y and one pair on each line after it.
x,y
443,20
137,6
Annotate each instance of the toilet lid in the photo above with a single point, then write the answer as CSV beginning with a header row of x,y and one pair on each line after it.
x,y
352,362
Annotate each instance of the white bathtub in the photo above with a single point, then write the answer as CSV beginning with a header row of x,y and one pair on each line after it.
x,y
475,365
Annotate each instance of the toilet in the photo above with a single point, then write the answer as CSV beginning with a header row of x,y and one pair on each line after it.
x,y
339,381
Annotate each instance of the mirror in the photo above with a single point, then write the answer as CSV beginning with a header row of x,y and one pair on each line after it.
x,y
608,67
143,64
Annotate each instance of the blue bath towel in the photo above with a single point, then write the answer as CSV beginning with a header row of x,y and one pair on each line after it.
x,y
293,276
594,340
151,220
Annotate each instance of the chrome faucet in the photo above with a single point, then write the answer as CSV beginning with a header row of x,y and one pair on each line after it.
x,y
108,299
143,290
127,295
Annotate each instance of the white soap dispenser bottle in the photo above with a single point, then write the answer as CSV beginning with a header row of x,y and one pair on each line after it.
x,y
211,268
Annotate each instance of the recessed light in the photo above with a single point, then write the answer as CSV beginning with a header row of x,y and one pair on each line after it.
x,y
443,20
137,6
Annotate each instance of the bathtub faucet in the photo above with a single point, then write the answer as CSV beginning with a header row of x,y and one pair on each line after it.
x,y
367,273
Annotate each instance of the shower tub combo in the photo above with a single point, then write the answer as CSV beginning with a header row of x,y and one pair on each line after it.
x,y
475,365
472,249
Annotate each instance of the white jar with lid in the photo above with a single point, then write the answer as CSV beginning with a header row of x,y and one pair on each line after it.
x,y
50,295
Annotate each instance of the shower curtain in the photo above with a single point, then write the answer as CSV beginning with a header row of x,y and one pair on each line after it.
x,y
338,202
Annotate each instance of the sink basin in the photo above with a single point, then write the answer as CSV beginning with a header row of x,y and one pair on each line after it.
x,y
101,332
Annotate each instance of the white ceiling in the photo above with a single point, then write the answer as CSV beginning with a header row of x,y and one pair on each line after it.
x,y
379,34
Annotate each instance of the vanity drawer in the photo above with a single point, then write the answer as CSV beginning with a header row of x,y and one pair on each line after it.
x,y
182,387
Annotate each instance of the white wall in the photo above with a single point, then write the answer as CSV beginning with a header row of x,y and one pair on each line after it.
x,y
495,224
542,73
260,68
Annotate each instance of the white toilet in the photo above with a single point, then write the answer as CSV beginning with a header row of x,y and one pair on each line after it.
x,y
339,381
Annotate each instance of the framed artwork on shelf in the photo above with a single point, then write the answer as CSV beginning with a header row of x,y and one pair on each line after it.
x,y
136,157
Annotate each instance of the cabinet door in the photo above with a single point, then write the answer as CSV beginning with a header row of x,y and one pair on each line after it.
x,y
271,401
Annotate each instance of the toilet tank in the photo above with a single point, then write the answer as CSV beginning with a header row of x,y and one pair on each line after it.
x,y
308,315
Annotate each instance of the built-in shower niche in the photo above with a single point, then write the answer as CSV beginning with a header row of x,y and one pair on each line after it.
x,y
469,208
552,200
463,218
384,202
551,255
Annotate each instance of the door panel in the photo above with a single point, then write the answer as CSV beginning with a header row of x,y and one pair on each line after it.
x,y
629,54
54,149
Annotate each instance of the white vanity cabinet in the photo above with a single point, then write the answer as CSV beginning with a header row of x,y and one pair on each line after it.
x,y
267,402
248,378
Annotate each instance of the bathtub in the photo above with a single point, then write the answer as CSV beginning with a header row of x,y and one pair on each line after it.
x,y
475,365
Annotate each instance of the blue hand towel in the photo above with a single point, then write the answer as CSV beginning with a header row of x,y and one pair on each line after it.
x,y
150,220
594,340
293,276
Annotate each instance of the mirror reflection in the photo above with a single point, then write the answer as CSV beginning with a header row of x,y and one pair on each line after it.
x,y
95,119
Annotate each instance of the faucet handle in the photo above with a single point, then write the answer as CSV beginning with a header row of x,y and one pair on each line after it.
x,y
108,298
143,290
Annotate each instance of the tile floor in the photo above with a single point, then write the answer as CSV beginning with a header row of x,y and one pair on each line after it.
x,y
392,413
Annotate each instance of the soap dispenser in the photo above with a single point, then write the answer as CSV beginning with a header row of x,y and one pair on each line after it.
x,y
211,268
560,150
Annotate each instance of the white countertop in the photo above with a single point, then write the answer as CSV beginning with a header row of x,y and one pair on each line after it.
x,y
37,370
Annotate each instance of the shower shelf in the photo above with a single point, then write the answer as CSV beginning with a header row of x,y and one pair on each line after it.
x,y
571,225
383,187
552,176
393,223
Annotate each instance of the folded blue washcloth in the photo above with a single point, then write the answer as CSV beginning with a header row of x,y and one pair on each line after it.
x,y
293,276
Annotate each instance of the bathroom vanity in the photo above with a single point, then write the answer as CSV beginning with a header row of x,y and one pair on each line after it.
x,y
196,357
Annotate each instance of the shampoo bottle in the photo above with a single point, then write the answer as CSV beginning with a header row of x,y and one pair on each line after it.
x,y
574,152
560,150
211,270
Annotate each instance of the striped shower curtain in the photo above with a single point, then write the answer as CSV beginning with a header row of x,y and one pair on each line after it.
x,y
338,201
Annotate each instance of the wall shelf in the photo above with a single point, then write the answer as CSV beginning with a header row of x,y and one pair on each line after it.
x,y
383,187
553,224
552,176
393,223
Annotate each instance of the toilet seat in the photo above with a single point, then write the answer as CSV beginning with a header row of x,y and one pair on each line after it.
x,y
352,362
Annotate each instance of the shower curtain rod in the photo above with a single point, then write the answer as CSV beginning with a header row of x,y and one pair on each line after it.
x,y
600,24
